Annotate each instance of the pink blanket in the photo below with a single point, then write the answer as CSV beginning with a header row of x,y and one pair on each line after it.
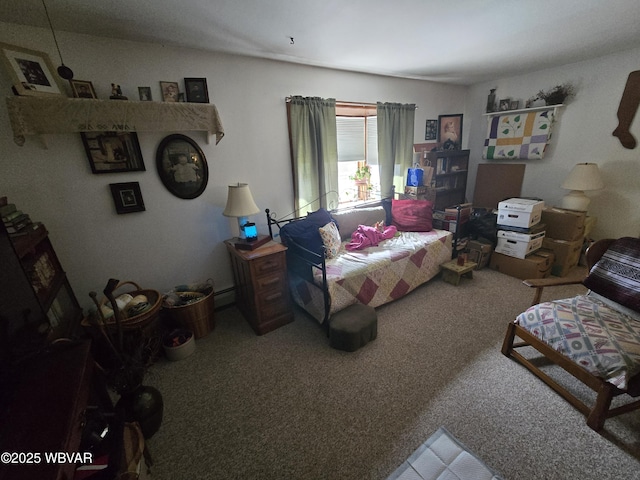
x,y
365,236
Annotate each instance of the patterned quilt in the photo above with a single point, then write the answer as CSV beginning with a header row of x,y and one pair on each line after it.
x,y
376,275
518,135
595,336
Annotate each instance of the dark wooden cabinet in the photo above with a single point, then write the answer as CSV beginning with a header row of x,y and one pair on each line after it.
x,y
44,411
449,176
37,303
262,290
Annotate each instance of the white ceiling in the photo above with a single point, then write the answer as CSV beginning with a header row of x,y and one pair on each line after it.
x,y
460,42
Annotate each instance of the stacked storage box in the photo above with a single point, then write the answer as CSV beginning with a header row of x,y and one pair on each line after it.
x,y
565,231
520,238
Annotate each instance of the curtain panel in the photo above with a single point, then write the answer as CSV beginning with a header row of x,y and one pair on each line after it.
x,y
395,144
314,151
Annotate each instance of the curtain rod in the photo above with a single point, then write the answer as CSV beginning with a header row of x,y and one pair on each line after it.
x,y
355,104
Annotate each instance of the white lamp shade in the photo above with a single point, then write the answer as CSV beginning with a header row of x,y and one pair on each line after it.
x,y
240,202
584,176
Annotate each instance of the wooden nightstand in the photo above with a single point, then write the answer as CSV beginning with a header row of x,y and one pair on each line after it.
x,y
262,288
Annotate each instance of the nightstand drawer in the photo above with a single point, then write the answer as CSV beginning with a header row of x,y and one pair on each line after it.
x,y
272,303
272,263
269,282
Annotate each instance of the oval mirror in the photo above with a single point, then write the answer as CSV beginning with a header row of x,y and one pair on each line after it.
x,y
182,166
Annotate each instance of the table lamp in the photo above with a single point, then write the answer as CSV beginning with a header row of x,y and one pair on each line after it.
x,y
584,176
240,204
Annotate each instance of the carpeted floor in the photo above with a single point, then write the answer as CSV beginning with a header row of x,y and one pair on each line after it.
x,y
287,406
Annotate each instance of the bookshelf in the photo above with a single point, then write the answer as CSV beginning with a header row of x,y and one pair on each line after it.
x,y
37,304
450,176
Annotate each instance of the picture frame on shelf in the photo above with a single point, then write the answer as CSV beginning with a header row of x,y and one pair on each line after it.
x,y
82,89
431,130
504,104
113,152
182,166
514,104
196,89
450,131
170,91
144,93
127,197
31,71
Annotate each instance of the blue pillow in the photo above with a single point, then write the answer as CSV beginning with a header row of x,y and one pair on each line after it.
x,y
305,231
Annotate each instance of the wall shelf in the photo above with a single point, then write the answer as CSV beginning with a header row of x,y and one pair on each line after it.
x,y
524,110
40,115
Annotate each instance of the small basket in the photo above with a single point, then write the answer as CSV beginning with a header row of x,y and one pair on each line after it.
x,y
195,316
142,319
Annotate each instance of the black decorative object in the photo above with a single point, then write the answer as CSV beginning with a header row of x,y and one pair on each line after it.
x,y
144,405
491,101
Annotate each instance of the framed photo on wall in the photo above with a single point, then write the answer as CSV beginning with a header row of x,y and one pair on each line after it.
x,y
182,166
112,152
82,89
431,130
450,131
127,197
196,90
32,72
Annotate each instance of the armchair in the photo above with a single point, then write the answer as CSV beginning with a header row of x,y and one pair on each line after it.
x,y
594,337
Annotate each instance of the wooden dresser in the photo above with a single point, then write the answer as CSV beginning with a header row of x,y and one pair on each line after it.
x,y
43,411
262,289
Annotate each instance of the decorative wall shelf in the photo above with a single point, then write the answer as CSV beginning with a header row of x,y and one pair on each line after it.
x,y
524,110
40,115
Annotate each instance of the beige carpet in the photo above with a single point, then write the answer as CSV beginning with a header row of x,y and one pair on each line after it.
x,y
287,406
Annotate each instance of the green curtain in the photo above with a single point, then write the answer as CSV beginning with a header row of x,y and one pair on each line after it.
x,y
314,152
395,144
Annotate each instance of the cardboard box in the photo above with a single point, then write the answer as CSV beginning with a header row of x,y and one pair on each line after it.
x,y
537,265
480,253
520,212
564,224
517,244
537,228
567,254
420,193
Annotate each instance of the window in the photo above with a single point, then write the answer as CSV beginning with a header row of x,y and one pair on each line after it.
x,y
358,174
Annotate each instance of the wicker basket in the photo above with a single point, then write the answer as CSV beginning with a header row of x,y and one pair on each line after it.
x,y
195,316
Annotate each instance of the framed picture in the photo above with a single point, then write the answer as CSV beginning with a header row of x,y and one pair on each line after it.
x,y
182,166
127,197
503,106
431,130
170,91
514,104
112,152
144,93
196,90
32,72
82,89
450,131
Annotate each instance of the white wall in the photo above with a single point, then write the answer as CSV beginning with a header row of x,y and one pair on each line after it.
x,y
582,134
176,241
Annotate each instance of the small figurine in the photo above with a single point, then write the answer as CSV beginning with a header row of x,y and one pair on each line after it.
x,y
116,93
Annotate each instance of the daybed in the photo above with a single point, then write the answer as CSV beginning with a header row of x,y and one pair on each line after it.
x,y
595,337
327,275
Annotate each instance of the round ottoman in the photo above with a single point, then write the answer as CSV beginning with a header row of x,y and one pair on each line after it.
x,y
353,327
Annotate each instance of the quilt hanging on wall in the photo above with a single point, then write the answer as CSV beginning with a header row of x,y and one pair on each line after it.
x,y
518,135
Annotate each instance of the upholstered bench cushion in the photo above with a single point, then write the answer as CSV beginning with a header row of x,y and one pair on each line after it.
x,y
353,327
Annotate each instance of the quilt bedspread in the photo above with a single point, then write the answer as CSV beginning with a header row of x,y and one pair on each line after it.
x,y
518,135
590,333
376,275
